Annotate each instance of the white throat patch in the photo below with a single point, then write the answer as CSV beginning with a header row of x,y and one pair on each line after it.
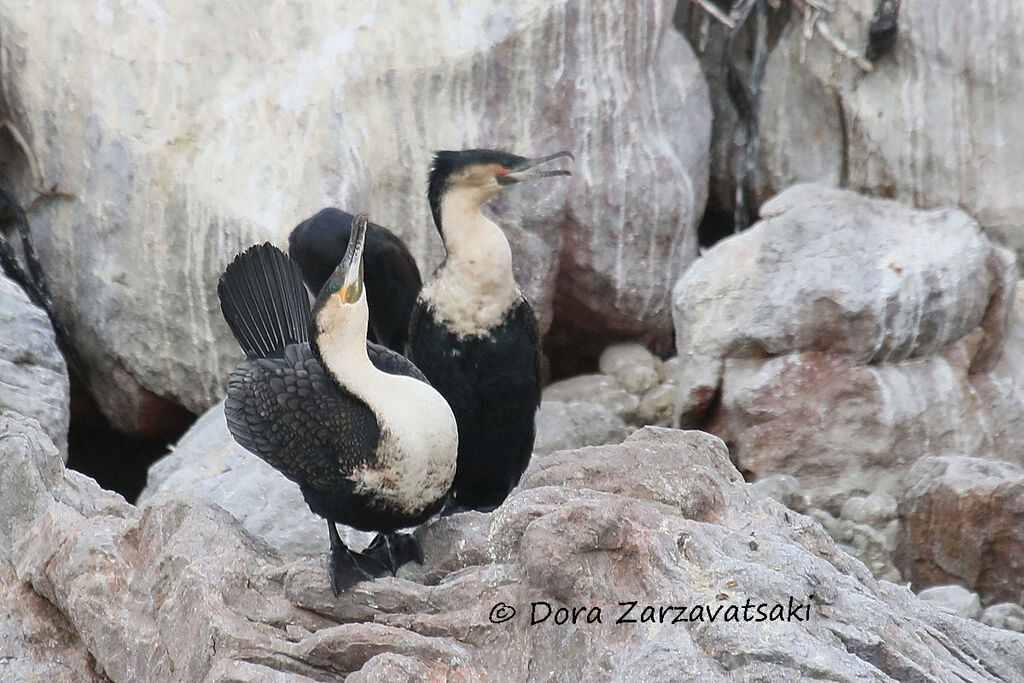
x,y
474,288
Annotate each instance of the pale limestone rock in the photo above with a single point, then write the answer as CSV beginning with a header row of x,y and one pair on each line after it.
x,y
206,130
657,406
784,489
957,598
1008,615
828,344
574,424
632,365
33,375
936,123
600,389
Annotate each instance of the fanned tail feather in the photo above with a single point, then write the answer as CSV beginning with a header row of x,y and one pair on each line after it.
x,y
264,301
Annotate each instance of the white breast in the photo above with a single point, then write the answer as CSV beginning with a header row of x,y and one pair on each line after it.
x,y
419,441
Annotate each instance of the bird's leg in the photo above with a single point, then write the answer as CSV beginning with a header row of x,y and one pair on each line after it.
x,y
394,549
348,568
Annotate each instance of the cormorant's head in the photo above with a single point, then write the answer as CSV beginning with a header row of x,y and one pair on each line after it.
x,y
343,294
481,173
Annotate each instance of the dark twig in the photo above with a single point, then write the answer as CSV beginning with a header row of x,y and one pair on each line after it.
x,y
33,281
746,97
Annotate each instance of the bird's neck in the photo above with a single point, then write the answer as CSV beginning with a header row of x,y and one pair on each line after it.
x,y
474,244
341,341
474,289
415,459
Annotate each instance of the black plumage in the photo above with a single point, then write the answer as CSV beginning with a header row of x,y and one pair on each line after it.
x,y
392,277
492,384
285,406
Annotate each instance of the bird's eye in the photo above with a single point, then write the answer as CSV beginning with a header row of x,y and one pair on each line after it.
x,y
334,287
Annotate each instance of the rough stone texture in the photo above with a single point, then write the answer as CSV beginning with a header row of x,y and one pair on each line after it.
x,y
179,591
658,406
632,365
960,522
1006,615
1001,390
877,509
826,343
574,424
33,376
957,598
210,130
599,389
36,641
784,489
937,123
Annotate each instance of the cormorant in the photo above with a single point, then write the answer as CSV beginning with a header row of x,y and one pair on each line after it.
x,y
392,278
472,332
369,442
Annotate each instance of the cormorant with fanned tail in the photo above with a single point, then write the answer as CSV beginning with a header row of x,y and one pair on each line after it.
x,y
356,426
392,278
472,332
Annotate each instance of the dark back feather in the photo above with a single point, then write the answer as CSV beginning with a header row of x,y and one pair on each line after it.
x,y
264,301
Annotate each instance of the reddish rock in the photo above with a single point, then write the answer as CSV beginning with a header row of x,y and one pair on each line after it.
x,y
962,521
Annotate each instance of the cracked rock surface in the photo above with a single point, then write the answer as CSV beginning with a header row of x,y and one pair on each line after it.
x,y
181,591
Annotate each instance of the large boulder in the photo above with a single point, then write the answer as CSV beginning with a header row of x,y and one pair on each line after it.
x,y
181,591
33,375
960,522
838,339
936,122
163,154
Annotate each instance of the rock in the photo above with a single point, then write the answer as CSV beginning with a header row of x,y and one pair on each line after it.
x,y
876,510
576,424
1006,615
825,344
658,406
668,372
784,489
207,465
957,598
157,182
935,123
870,546
181,591
599,389
33,375
38,642
632,365
960,522
1001,390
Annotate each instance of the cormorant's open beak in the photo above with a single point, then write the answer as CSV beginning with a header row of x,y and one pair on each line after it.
x,y
352,263
527,169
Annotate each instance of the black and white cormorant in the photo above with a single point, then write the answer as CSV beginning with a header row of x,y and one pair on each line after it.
x,y
369,442
472,332
392,278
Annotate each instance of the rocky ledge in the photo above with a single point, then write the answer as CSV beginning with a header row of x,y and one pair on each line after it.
x,y
723,584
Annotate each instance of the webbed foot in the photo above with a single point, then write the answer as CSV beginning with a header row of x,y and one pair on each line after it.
x,y
347,568
394,550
